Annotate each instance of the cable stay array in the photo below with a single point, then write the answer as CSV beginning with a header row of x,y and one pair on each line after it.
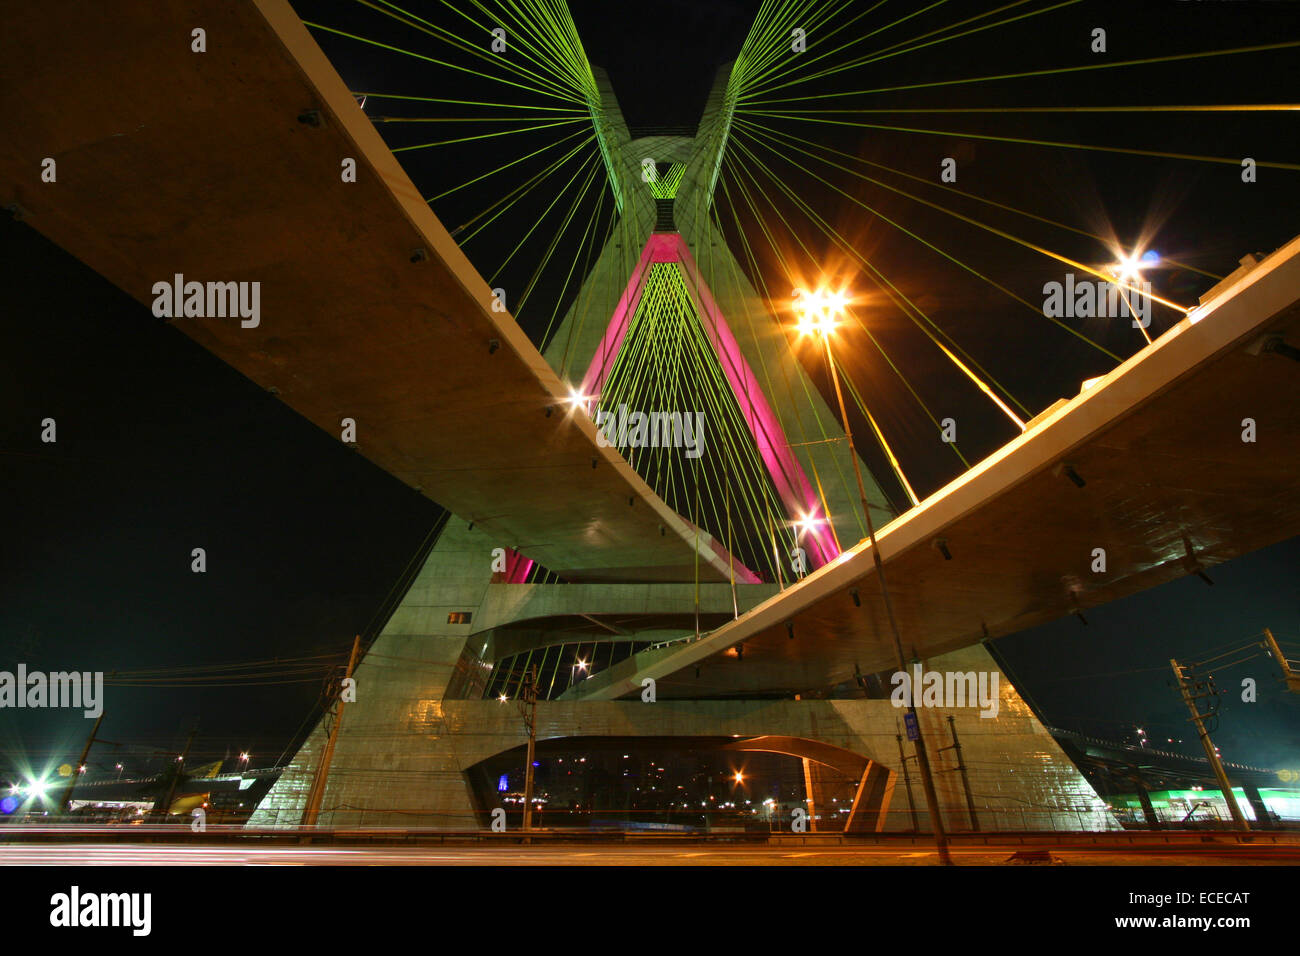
x,y
802,198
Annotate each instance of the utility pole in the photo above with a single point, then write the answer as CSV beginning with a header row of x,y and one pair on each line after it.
x,y
1185,687
317,792
179,769
528,710
907,782
1292,678
922,758
66,797
961,769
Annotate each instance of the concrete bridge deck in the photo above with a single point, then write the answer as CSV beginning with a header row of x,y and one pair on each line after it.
x,y
1170,487
197,164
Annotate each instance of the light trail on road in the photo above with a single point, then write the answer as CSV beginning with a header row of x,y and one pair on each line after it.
x,y
587,855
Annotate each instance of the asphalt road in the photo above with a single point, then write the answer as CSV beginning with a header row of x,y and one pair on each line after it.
x,y
1219,854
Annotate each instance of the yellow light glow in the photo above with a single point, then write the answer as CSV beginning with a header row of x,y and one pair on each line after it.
x,y
1129,266
806,523
818,312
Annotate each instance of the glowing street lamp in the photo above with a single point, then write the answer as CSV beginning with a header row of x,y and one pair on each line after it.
x,y
577,399
806,524
819,313
1127,270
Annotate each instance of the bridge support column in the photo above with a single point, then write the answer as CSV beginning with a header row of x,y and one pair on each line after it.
x,y
1262,816
871,800
811,794
1148,810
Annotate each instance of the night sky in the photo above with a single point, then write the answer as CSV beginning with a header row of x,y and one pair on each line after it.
x,y
162,448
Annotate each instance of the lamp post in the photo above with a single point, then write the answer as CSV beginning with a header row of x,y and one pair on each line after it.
x,y
817,316
804,527
1129,269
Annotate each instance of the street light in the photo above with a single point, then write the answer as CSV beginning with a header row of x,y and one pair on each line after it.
x,y
578,400
804,527
806,524
819,314
1128,269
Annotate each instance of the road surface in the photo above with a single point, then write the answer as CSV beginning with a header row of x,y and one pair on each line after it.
x,y
1215,854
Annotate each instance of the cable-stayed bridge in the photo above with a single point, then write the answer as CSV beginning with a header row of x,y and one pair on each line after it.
x,y
371,311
